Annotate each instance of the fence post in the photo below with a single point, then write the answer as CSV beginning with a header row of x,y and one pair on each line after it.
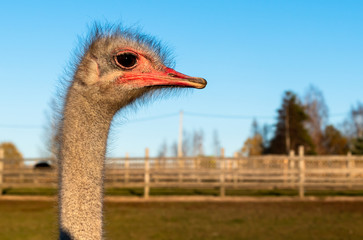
x,y
301,172
197,169
126,166
285,166
350,162
180,169
156,166
1,169
235,169
147,175
222,175
35,174
292,166
230,169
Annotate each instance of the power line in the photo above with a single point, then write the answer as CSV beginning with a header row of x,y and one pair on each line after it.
x,y
20,126
192,114
156,117
207,115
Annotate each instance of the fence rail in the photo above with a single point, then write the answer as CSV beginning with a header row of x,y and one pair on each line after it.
x,y
261,172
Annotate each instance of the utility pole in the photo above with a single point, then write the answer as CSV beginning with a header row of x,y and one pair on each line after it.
x,y
180,141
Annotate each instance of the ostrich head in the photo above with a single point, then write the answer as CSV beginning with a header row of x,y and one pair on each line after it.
x,y
115,68
119,67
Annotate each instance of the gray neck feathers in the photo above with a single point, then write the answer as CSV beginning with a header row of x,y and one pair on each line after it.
x,y
83,142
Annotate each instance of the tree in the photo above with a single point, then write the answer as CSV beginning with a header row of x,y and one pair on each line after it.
x,y
317,110
163,150
174,149
354,123
265,133
290,132
334,142
50,132
254,145
358,146
198,139
187,145
12,155
187,148
353,127
216,144
255,128
357,120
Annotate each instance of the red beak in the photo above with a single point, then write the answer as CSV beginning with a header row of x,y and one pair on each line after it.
x,y
165,77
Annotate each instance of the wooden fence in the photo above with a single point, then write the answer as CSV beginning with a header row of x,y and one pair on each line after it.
x,y
261,172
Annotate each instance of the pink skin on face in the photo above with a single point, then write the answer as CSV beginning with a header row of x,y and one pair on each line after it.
x,y
143,74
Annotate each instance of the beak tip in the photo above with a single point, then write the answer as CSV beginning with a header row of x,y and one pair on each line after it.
x,y
199,83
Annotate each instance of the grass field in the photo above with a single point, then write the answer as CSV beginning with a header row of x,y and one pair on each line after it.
x,y
194,221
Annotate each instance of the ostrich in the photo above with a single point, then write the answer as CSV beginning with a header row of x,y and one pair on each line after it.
x,y
116,68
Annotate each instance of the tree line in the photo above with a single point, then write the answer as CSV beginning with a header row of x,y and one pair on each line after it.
x,y
300,121
193,145
306,122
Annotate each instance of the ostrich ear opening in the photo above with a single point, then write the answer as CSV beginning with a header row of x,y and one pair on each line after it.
x,y
88,71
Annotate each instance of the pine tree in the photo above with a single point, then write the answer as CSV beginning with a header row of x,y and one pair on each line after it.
x,y
290,132
358,146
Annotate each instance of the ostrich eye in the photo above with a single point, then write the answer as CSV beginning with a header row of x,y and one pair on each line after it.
x,y
126,60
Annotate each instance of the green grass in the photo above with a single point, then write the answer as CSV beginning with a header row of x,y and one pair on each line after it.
x,y
196,221
162,192
30,191
191,192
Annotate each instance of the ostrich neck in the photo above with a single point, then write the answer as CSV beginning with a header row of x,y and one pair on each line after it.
x,y
82,154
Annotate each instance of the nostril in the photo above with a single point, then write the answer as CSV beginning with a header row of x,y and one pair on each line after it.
x,y
172,75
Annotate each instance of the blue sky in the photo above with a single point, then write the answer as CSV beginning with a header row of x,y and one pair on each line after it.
x,y
249,51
